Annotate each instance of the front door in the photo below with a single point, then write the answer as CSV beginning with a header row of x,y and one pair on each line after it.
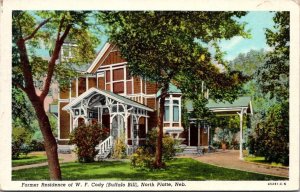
x,y
193,135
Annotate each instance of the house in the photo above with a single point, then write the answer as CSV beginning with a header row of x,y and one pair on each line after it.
x,y
106,93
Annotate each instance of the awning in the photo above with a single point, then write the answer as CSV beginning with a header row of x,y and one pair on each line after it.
x,y
226,108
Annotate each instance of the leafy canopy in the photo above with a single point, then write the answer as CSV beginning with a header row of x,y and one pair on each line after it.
x,y
164,45
274,75
81,36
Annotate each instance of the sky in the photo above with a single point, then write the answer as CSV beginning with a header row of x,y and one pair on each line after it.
x,y
257,22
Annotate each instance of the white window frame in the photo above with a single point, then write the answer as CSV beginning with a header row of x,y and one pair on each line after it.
x,y
171,98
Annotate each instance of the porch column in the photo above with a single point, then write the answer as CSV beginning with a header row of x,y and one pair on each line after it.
x,y
137,135
241,134
189,143
146,119
208,127
126,128
199,132
110,124
131,129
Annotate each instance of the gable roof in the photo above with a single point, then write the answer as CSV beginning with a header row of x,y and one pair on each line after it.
x,y
99,57
226,107
109,94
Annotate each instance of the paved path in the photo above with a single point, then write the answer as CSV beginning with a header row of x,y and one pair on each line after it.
x,y
230,159
63,158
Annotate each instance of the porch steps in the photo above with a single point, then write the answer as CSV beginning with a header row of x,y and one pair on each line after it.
x,y
189,150
105,148
65,149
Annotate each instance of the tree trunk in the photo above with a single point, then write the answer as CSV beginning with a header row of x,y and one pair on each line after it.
x,y
49,140
158,154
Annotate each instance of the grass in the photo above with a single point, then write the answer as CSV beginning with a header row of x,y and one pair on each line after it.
x,y
177,169
262,160
28,160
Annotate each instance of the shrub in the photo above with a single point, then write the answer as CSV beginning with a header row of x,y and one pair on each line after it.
x,y
145,156
119,151
20,139
36,145
142,159
86,138
271,138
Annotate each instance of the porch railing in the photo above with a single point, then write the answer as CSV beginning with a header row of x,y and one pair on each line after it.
x,y
105,148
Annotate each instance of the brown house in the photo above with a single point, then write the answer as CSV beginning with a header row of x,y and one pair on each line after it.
x,y
127,105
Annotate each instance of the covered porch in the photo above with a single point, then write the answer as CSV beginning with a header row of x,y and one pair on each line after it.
x,y
199,130
125,118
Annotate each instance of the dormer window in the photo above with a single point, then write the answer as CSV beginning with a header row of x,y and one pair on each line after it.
x,y
67,51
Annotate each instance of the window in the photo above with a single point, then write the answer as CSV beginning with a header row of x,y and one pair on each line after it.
x,y
118,80
172,110
167,111
175,110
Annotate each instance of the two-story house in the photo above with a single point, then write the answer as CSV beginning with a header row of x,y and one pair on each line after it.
x,y
127,105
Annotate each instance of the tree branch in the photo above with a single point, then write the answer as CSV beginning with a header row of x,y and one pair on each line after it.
x,y
36,29
26,69
54,57
60,27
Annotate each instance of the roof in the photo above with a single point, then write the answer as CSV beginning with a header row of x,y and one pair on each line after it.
x,y
109,94
99,56
226,107
172,89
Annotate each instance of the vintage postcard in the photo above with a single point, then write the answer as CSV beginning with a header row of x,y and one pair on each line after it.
x,y
149,96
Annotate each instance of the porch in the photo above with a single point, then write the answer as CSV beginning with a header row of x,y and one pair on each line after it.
x,y
125,118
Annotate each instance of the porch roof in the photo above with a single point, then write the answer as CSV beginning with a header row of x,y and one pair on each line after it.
x,y
226,107
109,94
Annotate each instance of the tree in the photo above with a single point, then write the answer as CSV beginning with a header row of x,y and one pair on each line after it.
x,y
36,30
274,74
273,78
174,46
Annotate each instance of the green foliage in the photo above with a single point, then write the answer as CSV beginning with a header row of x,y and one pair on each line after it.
x,y
20,141
119,151
86,138
37,145
163,45
274,75
249,62
144,156
22,111
271,138
81,34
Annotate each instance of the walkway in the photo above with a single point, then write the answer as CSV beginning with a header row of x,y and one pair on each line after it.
x,y
230,159
63,158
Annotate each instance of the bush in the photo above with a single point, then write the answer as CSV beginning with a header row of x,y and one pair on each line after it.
x,y
271,138
36,145
20,139
86,138
145,156
142,158
119,151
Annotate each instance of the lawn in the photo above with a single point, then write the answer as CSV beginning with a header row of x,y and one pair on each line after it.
x,y
29,159
262,160
177,169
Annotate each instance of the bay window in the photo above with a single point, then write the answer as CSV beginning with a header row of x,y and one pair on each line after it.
x,y
172,115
